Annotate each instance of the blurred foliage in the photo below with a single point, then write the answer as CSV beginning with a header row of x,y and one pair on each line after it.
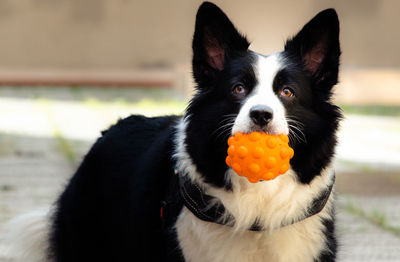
x,y
380,110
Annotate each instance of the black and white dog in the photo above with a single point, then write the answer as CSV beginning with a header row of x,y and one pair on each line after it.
x,y
158,189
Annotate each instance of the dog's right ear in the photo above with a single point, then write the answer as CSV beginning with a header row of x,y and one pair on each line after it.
x,y
215,40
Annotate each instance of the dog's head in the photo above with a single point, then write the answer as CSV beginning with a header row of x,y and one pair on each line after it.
x,y
240,90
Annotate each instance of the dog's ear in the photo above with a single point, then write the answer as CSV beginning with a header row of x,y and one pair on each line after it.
x,y
317,44
215,40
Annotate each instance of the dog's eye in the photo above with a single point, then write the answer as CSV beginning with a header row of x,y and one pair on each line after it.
x,y
239,89
287,92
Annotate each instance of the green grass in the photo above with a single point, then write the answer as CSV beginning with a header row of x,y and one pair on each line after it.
x,y
65,147
379,110
6,188
376,217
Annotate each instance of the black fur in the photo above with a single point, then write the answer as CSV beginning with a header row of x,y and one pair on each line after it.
x,y
214,30
110,210
209,111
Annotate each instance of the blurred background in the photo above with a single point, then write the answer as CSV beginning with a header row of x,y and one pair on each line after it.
x,y
71,68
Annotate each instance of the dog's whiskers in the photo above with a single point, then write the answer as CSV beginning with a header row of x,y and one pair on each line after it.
x,y
296,130
226,125
224,130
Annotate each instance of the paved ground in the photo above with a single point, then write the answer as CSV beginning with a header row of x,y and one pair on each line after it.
x,y
45,132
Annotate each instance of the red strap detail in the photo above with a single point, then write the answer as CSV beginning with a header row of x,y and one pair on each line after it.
x,y
161,212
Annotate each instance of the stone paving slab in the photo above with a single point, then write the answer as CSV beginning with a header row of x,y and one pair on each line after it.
x,y
27,185
361,241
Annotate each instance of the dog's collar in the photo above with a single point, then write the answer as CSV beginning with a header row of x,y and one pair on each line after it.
x,y
208,208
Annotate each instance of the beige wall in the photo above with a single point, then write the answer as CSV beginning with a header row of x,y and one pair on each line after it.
x,y
127,34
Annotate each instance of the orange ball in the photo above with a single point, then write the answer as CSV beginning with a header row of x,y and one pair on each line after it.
x,y
259,156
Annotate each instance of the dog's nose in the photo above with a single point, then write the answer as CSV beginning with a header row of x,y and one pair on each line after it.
x,y
261,115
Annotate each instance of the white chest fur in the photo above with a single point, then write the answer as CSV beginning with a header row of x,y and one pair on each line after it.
x,y
271,203
204,241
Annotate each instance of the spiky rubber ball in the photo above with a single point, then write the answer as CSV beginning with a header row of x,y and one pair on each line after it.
x,y
259,156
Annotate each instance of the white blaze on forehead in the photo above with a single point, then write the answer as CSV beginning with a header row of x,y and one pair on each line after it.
x,y
265,69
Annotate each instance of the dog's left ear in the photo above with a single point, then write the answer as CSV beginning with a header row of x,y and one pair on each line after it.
x,y
317,44
215,41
